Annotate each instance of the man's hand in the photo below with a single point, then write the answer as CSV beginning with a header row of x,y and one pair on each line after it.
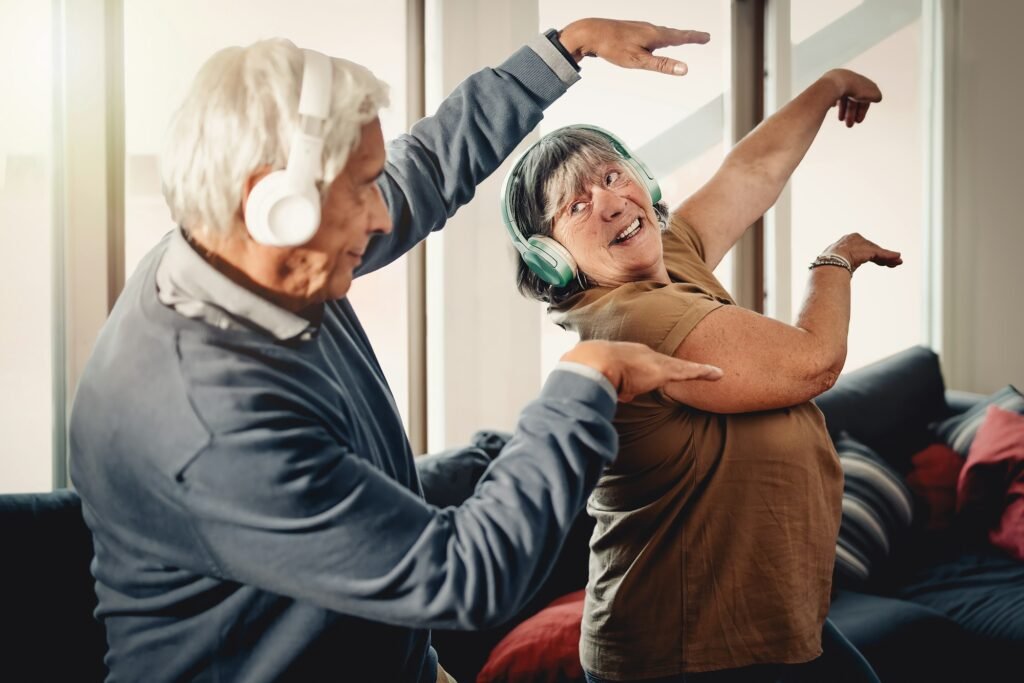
x,y
628,44
635,369
856,93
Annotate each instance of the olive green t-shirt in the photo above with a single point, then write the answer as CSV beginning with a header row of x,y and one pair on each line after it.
x,y
715,535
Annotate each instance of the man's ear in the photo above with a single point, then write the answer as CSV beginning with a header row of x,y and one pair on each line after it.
x,y
250,182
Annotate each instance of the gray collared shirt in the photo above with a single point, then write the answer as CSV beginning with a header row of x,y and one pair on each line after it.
x,y
191,286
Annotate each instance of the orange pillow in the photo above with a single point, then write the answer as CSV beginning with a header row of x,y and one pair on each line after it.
x,y
933,479
543,649
991,487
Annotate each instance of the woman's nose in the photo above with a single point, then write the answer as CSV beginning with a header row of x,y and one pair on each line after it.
x,y
609,205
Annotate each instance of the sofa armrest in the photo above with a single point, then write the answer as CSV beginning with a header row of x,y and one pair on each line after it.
x,y
961,401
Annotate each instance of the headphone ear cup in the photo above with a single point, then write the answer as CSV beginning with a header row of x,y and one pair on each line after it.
x,y
550,261
278,214
644,173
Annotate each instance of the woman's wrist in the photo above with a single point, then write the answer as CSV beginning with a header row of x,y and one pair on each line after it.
x,y
832,258
836,80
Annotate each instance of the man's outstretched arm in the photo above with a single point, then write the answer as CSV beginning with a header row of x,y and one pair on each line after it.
x,y
434,169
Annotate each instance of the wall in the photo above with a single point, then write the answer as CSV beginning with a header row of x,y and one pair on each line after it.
x,y
983,312
480,374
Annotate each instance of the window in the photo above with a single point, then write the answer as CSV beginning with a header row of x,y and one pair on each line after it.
x,y
166,43
27,238
869,179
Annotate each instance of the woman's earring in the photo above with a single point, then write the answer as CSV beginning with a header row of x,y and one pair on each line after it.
x,y
581,278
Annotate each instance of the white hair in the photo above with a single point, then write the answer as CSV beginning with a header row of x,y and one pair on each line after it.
x,y
240,114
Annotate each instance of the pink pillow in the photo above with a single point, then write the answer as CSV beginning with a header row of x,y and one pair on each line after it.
x,y
543,649
991,485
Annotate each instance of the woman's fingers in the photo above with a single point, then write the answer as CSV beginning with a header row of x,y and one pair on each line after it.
x,y
887,257
862,111
852,111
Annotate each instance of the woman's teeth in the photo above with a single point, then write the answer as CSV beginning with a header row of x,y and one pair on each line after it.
x,y
630,230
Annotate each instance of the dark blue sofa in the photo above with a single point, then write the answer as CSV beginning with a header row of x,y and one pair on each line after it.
x,y
945,610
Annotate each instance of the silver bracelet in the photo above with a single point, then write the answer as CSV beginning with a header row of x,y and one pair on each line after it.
x,y
831,260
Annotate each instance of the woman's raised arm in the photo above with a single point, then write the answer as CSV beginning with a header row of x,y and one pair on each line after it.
x,y
769,364
759,166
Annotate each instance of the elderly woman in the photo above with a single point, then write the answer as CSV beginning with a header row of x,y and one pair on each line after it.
x,y
716,525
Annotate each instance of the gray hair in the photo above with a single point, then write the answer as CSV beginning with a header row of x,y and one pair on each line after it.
x,y
240,114
557,168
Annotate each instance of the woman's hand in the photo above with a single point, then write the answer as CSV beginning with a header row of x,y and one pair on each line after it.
x,y
858,251
856,93
635,369
628,44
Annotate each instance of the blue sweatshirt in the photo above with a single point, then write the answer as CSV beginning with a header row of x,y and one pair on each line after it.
x,y
253,499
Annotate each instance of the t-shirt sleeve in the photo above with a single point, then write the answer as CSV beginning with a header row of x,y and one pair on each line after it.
x,y
660,316
681,243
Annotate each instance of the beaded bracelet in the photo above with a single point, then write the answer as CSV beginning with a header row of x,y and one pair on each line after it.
x,y
831,260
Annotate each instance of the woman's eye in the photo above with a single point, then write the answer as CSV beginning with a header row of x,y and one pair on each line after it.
x,y
577,208
611,177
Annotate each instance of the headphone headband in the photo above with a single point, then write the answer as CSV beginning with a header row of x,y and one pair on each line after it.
x,y
548,259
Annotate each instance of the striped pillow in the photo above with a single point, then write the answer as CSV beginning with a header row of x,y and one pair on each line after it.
x,y
958,431
878,509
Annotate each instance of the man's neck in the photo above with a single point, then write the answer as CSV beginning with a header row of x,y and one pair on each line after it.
x,y
231,257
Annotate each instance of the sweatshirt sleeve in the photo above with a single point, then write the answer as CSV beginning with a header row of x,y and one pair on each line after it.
x,y
434,169
318,523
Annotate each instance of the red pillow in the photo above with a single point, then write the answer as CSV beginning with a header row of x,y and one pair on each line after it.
x,y
544,649
933,478
991,485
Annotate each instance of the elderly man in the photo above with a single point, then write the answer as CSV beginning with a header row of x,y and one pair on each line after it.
x,y
254,502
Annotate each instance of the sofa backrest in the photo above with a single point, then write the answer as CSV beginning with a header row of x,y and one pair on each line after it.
x,y
889,404
47,594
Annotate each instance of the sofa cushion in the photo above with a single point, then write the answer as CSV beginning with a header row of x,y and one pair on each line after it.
x,y
933,480
877,513
889,404
902,640
958,431
545,647
983,591
991,486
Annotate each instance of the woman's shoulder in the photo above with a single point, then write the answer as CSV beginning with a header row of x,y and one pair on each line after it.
x,y
683,252
637,311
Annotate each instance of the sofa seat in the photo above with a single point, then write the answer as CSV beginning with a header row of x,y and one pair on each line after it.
x,y
903,641
983,591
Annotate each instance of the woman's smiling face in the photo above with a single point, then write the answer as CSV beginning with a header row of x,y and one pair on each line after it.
x,y
610,228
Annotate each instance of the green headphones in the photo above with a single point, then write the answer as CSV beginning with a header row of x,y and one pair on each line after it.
x,y
543,255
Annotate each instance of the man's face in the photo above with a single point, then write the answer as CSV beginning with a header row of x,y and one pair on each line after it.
x,y
353,211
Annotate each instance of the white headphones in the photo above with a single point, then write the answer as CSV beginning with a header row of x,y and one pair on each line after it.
x,y
283,209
